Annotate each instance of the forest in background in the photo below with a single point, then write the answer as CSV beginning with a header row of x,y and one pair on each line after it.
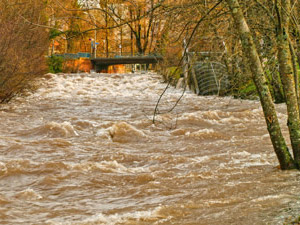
x,y
138,27
257,40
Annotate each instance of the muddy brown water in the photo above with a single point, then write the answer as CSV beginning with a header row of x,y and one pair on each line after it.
x,y
83,150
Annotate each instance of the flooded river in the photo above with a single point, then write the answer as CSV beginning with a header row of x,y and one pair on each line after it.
x,y
83,150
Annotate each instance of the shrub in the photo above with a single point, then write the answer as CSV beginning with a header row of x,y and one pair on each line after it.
x,y
23,45
55,64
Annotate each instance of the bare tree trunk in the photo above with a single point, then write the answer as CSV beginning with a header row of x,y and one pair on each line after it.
x,y
287,75
295,70
249,49
106,31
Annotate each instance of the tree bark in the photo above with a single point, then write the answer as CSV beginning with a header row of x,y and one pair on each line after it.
x,y
287,75
249,49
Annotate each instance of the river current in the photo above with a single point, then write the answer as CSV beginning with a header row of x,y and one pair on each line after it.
x,y
83,150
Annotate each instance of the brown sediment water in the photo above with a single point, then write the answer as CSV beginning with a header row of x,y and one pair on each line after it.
x,y
83,150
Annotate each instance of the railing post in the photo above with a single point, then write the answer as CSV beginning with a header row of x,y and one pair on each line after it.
x,y
185,64
194,77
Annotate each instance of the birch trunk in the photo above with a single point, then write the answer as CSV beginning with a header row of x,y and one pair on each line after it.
x,y
249,49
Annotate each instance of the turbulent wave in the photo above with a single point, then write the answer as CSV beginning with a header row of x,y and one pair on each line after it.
x,y
207,134
124,132
53,130
83,150
137,217
106,167
28,194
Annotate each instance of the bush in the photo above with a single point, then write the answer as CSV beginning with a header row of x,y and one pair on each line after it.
x,y
22,45
55,64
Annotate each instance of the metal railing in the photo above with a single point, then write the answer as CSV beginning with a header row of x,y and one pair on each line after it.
x,y
101,55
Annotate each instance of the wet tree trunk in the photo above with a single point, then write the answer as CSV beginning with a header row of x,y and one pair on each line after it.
x,y
295,70
287,75
249,49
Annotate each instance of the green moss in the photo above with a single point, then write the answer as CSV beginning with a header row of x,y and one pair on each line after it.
x,y
275,86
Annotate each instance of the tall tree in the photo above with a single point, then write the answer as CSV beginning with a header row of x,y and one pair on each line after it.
x,y
285,159
140,20
283,9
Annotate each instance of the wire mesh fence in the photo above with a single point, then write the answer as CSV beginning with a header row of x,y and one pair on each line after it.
x,y
209,73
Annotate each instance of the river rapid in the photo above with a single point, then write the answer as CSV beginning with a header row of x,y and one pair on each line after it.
x,y
83,150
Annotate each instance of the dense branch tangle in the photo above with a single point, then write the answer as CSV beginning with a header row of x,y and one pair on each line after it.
x,y
134,25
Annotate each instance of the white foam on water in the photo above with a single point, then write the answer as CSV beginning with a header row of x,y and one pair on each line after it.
x,y
232,119
103,133
52,129
124,132
3,169
243,153
244,160
149,217
29,194
181,160
65,129
206,134
121,132
284,197
107,167
113,85
201,159
212,117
